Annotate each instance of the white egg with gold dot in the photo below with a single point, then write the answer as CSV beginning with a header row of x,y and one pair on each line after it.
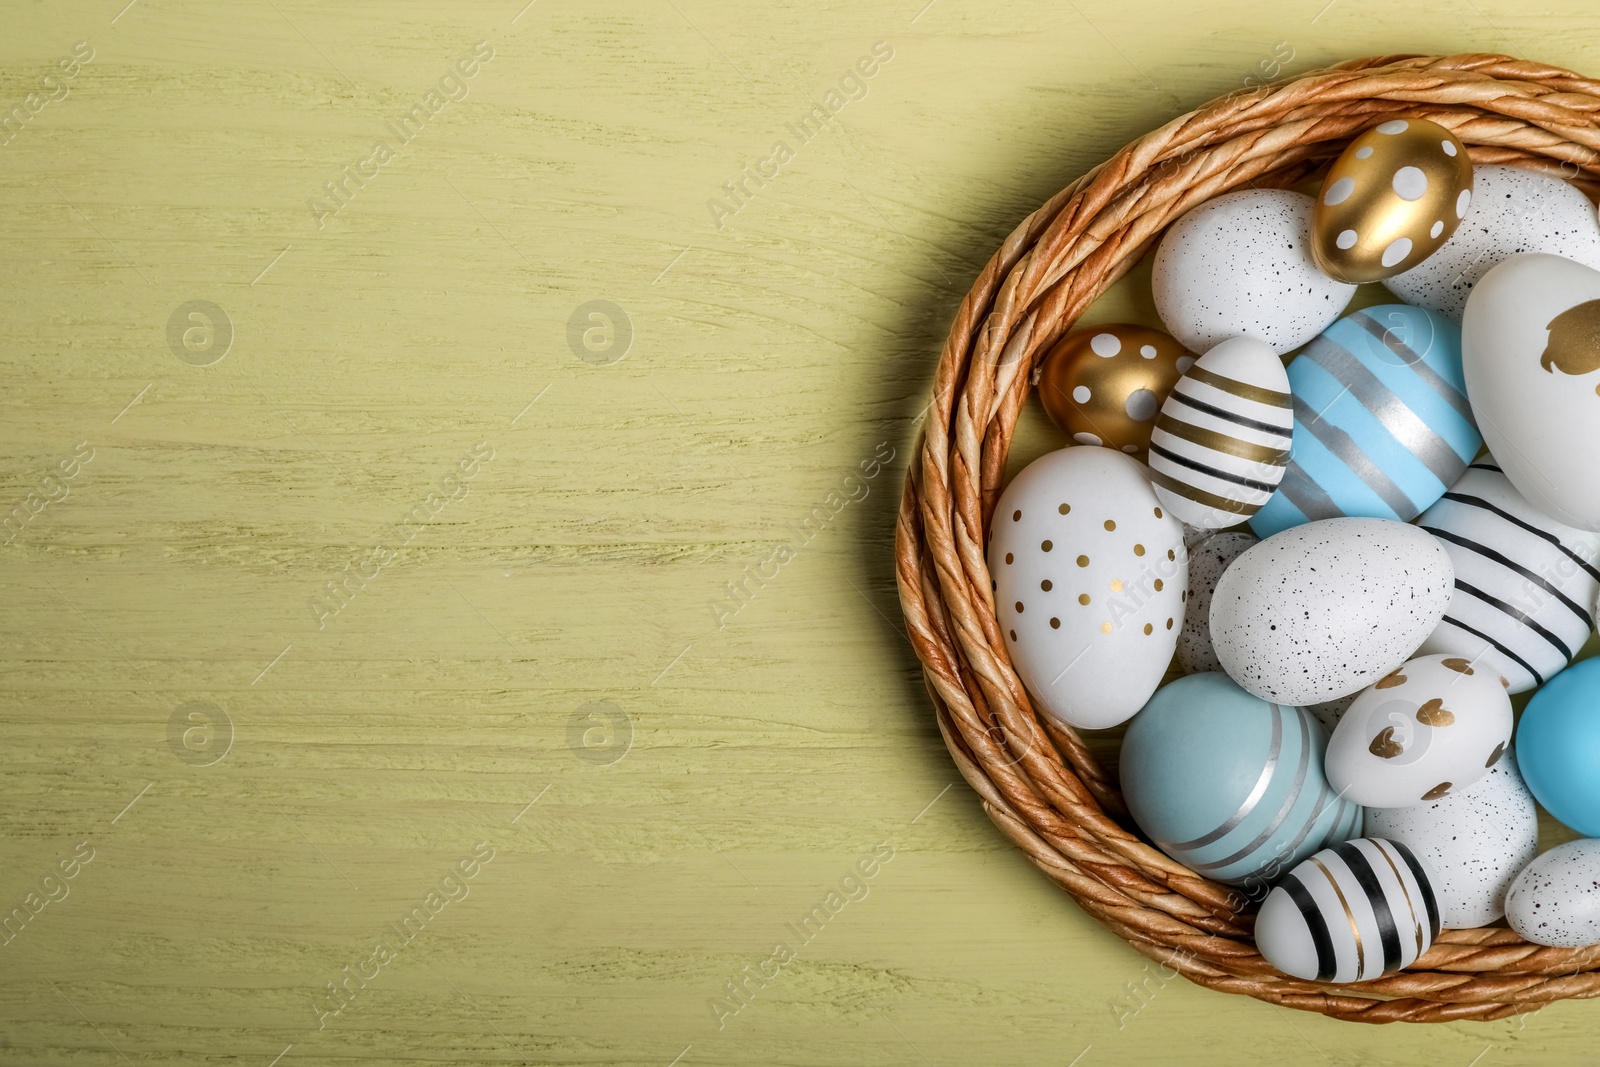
x,y
1089,576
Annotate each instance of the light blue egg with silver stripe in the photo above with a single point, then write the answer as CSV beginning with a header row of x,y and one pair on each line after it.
x,y
1230,785
1382,426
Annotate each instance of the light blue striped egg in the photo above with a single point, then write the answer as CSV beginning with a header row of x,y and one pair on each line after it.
x,y
1230,785
1382,426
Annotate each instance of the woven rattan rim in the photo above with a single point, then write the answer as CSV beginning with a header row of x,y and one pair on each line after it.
x,y
1039,783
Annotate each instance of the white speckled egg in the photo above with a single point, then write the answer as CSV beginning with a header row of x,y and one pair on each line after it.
x,y
1434,725
1513,210
1350,913
1241,263
1221,444
1556,898
1089,574
1525,583
1208,558
1326,608
1531,359
1475,841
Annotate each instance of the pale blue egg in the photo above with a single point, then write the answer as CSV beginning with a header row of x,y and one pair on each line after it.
x,y
1558,747
1382,426
1230,785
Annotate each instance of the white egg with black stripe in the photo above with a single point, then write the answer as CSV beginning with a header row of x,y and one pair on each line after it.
x,y
1350,913
1221,443
1525,584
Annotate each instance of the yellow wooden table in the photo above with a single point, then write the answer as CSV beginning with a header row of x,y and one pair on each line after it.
x,y
450,454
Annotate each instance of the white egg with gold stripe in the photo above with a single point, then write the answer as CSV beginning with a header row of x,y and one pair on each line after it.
x,y
1355,911
1221,443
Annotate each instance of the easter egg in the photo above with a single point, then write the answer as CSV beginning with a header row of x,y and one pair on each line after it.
x,y
1104,385
1229,785
1089,575
1513,210
1555,900
1434,725
1558,744
1525,583
1474,841
1241,263
1220,445
1382,425
1327,608
1350,913
1208,558
1532,364
1394,195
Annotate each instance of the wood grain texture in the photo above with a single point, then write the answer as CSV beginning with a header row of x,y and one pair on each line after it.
x,y
764,750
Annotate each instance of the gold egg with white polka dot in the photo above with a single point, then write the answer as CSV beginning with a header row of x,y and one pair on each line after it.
x,y
1104,385
1395,194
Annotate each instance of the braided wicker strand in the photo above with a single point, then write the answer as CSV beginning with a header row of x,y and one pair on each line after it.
x,y
1038,782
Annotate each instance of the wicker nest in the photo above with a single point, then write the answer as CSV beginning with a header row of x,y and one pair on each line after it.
x,y
1040,784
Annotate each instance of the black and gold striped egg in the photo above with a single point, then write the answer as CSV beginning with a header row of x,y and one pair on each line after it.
x,y
1352,912
1221,442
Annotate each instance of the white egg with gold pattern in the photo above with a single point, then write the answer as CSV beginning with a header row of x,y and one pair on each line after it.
x,y
1089,576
